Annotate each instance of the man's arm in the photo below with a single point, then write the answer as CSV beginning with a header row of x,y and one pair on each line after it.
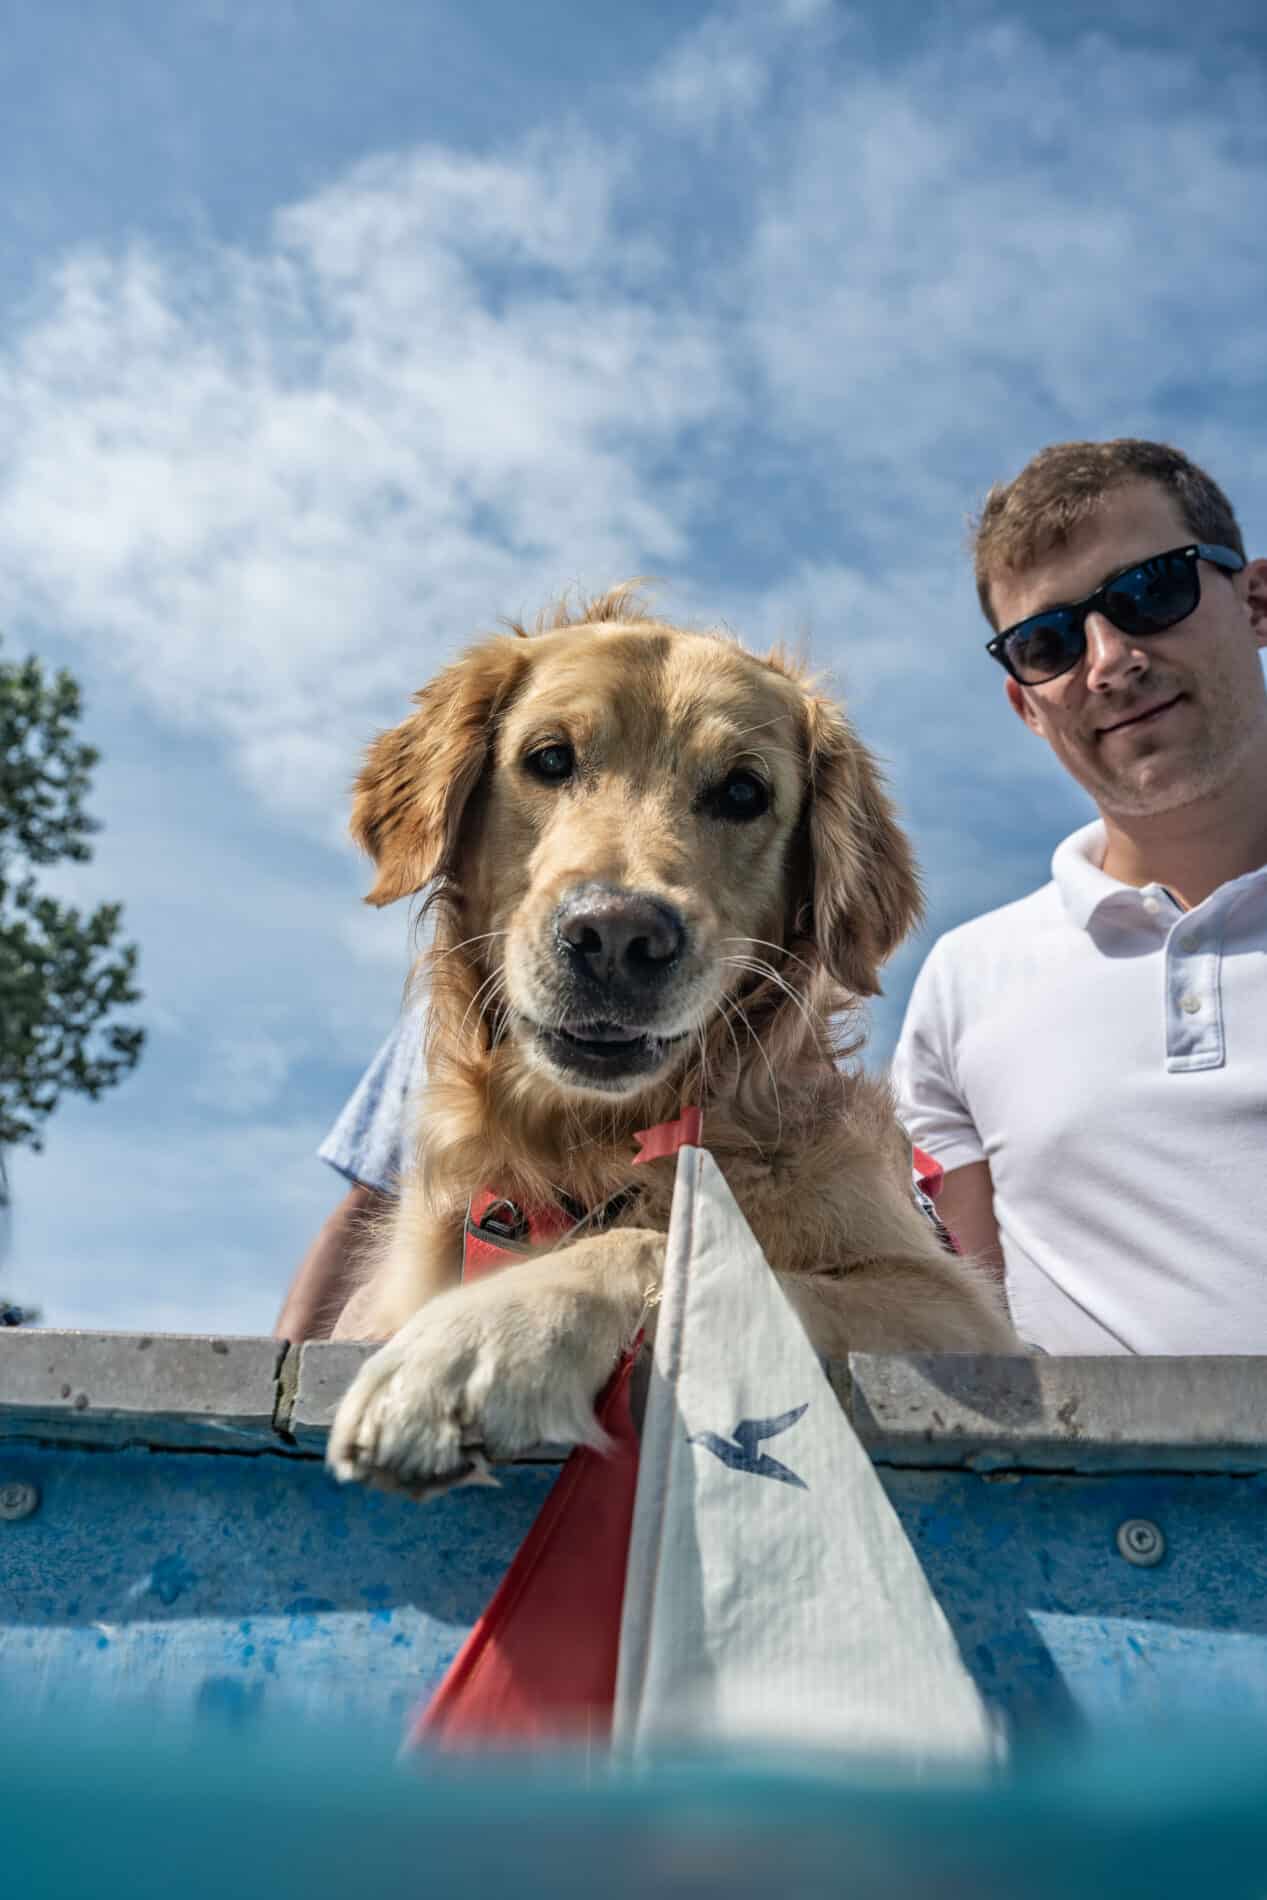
x,y
327,1276
367,1143
937,1116
965,1205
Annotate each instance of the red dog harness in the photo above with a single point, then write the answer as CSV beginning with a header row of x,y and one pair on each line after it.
x,y
498,1230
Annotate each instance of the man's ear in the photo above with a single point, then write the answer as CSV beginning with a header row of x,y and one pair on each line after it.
x,y
417,778
1254,580
1020,704
865,893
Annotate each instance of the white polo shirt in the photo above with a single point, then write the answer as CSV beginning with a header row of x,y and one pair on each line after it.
x,y
1106,1053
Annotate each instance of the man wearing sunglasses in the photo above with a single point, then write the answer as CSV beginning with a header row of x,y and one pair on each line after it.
x,y
1089,1065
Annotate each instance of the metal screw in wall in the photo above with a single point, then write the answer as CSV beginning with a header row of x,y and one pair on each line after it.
x,y
17,1500
1140,1541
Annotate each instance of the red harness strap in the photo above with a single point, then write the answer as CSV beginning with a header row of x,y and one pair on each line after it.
x,y
499,1230
929,1175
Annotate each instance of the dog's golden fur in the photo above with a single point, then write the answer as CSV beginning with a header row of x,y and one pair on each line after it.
x,y
787,921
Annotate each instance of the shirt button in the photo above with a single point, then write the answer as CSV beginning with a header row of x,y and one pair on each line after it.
x,y
1151,906
1190,1005
1189,944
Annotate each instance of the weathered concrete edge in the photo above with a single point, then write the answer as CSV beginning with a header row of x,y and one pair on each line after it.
x,y
1040,1413
203,1390
985,1414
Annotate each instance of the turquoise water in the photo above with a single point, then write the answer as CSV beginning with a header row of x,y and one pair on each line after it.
x,y
120,1813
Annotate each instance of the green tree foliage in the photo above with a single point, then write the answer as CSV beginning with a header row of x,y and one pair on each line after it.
x,y
64,975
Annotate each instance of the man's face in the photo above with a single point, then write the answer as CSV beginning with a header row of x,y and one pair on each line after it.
x,y
1144,725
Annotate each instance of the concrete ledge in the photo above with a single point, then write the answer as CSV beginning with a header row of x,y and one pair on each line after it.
x,y
979,1414
322,1371
162,1388
1094,1414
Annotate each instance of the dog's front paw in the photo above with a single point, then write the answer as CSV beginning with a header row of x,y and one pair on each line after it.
x,y
478,1370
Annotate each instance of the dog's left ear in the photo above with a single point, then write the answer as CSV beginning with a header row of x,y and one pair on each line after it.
x,y
865,894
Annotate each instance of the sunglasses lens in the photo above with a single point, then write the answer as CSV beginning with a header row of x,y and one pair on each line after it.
x,y
1153,596
1045,646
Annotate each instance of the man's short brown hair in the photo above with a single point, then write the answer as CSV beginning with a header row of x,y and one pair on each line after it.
x,y
1024,519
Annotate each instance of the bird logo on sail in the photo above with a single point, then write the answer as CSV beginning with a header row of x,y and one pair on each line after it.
x,y
740,1453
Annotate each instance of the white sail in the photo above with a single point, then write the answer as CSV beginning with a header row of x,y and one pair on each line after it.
x,y
771,1593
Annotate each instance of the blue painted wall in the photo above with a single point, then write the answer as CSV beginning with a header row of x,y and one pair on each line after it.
x,y
243,1586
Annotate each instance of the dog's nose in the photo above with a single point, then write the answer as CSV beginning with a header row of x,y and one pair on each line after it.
x,y
619,934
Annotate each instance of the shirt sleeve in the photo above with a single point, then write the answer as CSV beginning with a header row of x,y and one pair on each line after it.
x,y
930,1101
367,1142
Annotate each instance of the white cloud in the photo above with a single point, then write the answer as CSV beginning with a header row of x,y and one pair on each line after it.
x,y
275,489
711,76
997,240
721,71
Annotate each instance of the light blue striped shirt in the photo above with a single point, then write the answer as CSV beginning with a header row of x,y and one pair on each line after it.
x,y
367,1142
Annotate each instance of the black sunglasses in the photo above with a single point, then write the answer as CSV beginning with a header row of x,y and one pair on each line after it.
x,y
1157,594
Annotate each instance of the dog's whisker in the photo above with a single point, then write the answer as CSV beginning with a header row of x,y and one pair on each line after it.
x,y
768,974
762,725
814,1020
734,1040
485,936
774,1080
501,1024
699,1039
764,943
496,1002
573,1125
729,1004
750,1138
494,980
755,758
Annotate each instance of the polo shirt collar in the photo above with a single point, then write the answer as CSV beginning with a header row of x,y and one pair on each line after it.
x,y
1083,886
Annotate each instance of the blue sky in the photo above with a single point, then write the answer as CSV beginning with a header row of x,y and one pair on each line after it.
x,y
332,333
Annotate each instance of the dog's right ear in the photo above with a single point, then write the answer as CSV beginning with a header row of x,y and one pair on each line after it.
x,y
417,778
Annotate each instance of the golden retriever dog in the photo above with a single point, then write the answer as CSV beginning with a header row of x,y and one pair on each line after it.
x,y
658,867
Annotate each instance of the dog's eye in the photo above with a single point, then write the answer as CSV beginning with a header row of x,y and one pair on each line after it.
x,y
740,796
553,763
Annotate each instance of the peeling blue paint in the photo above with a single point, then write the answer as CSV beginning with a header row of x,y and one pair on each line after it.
x,y
275,1601
171,1577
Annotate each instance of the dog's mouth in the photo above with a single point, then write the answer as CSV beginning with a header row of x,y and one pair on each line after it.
x,y
605,1052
